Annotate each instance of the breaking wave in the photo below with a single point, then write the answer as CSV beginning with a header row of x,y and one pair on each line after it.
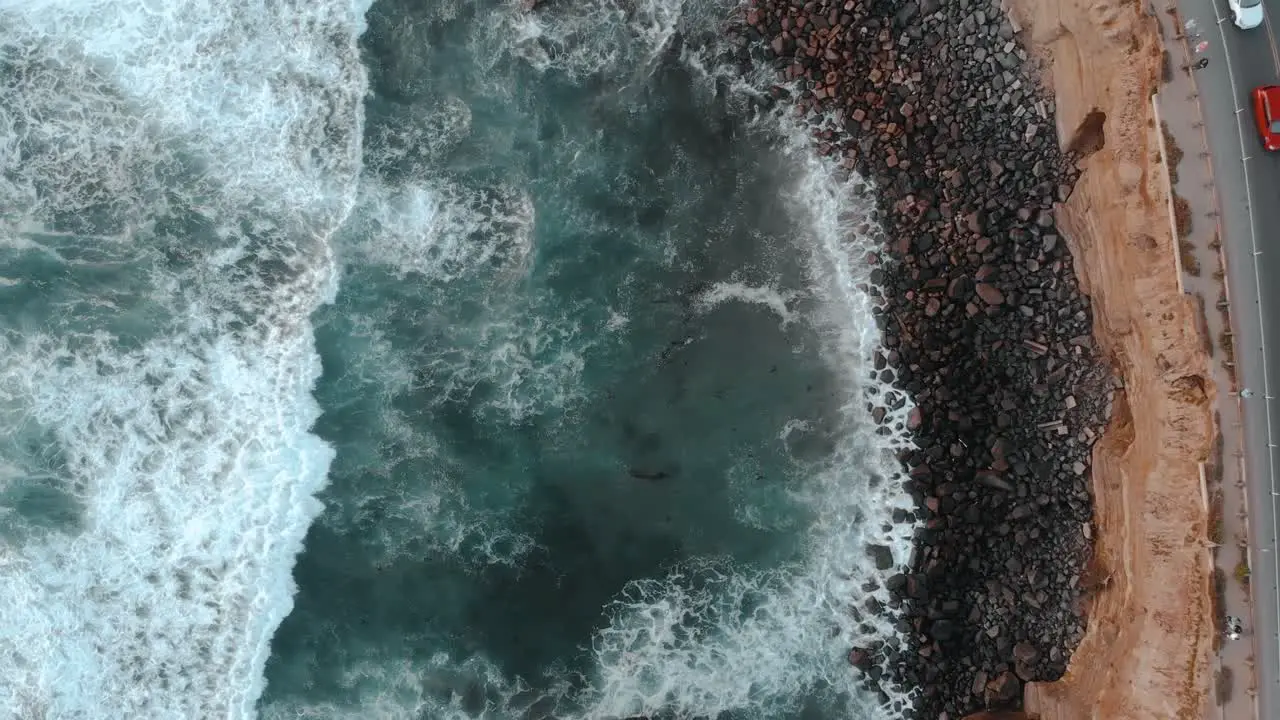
x,y
173,176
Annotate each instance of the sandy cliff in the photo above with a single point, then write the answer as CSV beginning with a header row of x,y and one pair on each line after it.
x,y
1147,650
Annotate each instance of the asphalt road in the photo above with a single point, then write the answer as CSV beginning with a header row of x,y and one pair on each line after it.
x,y
1249,197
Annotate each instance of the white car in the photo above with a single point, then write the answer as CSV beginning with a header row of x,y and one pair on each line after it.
x,y
1246,13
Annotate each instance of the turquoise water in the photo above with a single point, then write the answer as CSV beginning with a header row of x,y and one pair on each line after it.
x,y
428,361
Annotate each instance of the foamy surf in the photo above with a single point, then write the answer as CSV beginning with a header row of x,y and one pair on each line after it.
x,y
709,636
585,38
740,292
193,473
711,640
180,169
197,180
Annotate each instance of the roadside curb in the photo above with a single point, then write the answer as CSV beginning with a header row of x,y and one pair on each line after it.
x,y
1173,221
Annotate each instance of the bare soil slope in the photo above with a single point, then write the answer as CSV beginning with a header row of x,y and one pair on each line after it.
x,y
1147,649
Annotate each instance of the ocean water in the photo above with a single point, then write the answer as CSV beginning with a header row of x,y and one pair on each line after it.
x,y
428,360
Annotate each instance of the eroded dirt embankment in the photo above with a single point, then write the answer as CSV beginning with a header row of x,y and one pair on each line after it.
x,y
1147,649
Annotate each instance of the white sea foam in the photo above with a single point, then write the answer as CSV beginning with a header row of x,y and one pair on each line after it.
x,y
186,452
588,37
440,688
196,471
617,321
443,231
419,136
480,240
766,297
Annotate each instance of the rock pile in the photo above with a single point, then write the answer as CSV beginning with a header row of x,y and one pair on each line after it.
x,y
984,325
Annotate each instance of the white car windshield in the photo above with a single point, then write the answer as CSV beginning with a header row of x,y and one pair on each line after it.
x,y
1250,3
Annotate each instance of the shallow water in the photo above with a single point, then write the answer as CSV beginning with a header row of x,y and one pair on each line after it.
x,y
437,361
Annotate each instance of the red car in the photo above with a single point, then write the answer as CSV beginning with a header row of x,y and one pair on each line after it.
x,y
1266,109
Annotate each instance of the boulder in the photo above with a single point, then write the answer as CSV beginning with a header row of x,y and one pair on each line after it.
x,y
990,294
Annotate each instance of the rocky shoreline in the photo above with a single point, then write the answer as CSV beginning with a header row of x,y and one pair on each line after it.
x,y
984,325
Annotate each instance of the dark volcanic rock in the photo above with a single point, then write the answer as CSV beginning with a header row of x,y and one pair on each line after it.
x,y
983,324
1003,689
990,294
882,556
860,658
